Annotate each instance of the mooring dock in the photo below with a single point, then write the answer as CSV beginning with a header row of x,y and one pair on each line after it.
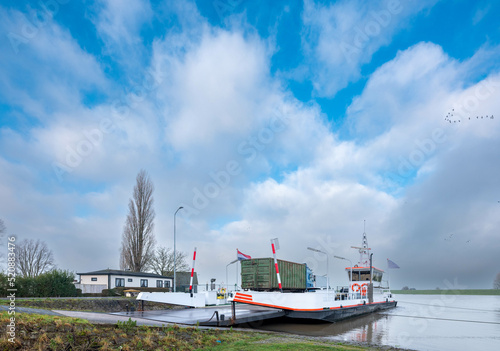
x,y
220,316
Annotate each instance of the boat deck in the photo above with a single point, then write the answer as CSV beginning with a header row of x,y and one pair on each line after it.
x,y
208,316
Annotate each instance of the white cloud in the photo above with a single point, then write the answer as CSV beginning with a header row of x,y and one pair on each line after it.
x,y
119,25
342,37
46,70
211,90
394,93
120,22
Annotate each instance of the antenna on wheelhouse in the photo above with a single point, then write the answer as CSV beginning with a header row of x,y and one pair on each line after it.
x,y
364,250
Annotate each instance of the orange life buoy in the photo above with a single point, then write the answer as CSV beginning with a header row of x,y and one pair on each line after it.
x,y
364,289
355,287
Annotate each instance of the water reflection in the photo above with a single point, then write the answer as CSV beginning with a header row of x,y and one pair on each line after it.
x,y
369,328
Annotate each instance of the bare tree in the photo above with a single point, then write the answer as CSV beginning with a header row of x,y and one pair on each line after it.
x,y
138,237
496,283
33,258
163,261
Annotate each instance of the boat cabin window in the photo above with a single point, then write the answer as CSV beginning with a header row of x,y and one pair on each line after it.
x,y
377,276
365,275
359,276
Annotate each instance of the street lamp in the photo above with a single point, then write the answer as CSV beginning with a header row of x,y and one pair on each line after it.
x,y
226,272
175,257
327,265
343,258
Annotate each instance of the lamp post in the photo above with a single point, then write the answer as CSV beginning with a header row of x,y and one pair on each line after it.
x,y
175,257
226,271
327,265
350,262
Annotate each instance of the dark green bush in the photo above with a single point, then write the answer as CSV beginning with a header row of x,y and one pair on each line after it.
x,y
55,283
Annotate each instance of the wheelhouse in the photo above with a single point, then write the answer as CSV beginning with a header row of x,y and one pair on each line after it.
x,y
362,274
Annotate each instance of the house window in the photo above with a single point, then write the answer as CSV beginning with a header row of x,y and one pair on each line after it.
x,y
144,283
159,283
167,283
129,280
119,282
93,279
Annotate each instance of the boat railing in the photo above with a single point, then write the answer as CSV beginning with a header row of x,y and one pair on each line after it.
x,y
343,293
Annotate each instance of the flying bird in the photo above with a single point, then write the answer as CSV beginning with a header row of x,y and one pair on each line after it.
x,y
451,114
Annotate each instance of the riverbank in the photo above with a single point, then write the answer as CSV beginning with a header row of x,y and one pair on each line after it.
x,y
107,305
448,292
41,332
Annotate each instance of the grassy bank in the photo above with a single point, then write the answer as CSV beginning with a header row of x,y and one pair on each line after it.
x,y
88,305
37,332
449,292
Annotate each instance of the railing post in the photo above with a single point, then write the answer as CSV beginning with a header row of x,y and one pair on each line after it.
x,y
233,312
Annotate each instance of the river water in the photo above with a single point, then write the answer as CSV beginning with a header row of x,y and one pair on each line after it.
x,y
419,322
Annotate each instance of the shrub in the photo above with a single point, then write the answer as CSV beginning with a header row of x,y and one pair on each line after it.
x,y
54,283
127,326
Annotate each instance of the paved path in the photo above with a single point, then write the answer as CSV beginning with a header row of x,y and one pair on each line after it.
x,y
105,318
208,316
30,310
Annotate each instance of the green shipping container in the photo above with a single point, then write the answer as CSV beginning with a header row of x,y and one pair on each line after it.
x,y
260,274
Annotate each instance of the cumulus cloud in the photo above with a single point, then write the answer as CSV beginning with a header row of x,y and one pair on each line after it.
x,y
341,37
120,28
43,67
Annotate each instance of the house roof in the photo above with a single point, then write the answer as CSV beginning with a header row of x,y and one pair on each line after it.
x,y
127,273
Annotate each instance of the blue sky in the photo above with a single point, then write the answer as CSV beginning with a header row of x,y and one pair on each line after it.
x,y
289,119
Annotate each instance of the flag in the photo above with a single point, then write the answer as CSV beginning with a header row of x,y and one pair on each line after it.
x,y
242,256
391,264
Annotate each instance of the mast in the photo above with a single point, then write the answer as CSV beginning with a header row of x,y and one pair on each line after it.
x,y
364,250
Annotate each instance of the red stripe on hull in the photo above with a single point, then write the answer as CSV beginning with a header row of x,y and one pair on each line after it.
x,y
250,302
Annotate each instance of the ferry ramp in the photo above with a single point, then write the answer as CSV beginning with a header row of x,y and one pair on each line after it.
x,y
219,316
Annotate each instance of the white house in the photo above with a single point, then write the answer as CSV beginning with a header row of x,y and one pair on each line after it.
x,y
95,282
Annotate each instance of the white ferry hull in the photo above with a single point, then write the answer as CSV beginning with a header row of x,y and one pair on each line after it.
x,y
334,314
319,305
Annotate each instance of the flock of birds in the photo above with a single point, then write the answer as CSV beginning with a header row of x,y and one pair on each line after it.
x,y
451,236
450,118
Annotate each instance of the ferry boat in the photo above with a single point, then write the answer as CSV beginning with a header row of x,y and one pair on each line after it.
x,y
365,293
